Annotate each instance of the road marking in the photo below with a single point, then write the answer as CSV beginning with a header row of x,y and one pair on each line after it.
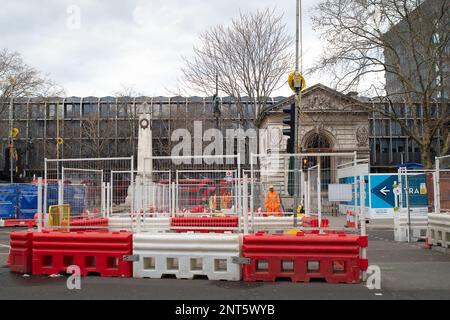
x,y
4,246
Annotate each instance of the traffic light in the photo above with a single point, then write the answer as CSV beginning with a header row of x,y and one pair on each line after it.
x,y
290,121
216,105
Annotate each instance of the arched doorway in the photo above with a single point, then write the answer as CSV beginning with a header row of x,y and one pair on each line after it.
x,y
319,142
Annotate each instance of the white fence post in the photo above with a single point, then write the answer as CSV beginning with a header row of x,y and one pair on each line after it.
x,y
363,195
245,204
103,200
319,195
39,208
60,192
108,199
437,190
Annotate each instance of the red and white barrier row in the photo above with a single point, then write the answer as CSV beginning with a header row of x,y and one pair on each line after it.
x,y
261,257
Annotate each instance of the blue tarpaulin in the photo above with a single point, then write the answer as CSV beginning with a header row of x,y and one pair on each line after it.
x,y
20,201
27,202
8,201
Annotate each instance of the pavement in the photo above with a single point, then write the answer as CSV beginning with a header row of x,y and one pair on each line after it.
x,y
407,272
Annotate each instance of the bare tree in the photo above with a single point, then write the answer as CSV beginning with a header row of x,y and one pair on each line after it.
x,y
96,135
127,110
250,57
18,79
404,40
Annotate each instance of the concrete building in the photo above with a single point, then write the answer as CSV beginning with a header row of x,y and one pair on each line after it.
x,y
412,41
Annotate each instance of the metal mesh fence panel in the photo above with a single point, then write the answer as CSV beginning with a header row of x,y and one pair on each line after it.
x,y
191,186
443,172
81,184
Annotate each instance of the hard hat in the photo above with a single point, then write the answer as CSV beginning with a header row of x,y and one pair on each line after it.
x,y
271,187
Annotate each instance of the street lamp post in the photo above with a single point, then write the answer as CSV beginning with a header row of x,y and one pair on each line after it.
x,y
298,103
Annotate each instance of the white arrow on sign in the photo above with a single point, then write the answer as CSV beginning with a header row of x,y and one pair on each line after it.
x,y
385,191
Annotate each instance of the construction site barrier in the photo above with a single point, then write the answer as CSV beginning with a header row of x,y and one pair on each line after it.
x,y
19,259
273,223
439,231
418,226
94,252
204,224
86,224
187,256
148,224
302,257
17,223
313,222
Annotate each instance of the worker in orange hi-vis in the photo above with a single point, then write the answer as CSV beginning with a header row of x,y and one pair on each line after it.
x,y
273,203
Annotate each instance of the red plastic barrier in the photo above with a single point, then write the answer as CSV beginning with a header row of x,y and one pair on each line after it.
x,y
86,224
18,223
183,224
302,257
313,222
19,260
94,252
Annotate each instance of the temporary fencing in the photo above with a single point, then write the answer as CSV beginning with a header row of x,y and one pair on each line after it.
x,y
439,214
442,183
311,194
334,257
187,256
412,195
84,185
151,193
93,252
190,186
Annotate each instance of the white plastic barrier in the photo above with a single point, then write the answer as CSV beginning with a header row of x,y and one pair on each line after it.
x,y
273,223
150,224
187,255
439,230
418,227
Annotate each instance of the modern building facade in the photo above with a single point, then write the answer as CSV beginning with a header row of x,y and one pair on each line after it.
x,y
104,127
108,127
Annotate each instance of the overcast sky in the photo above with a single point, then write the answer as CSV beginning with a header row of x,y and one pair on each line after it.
x,y
130,42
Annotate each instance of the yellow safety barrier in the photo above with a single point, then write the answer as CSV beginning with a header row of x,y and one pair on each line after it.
x,y
59,216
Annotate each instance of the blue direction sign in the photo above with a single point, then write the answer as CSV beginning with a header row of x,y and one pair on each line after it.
x,y
382,191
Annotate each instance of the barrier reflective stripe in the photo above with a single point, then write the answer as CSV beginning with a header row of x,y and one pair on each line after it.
x,y
187,256
149,224
19,259
94,252
302,257
439,230
418,226
205,224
